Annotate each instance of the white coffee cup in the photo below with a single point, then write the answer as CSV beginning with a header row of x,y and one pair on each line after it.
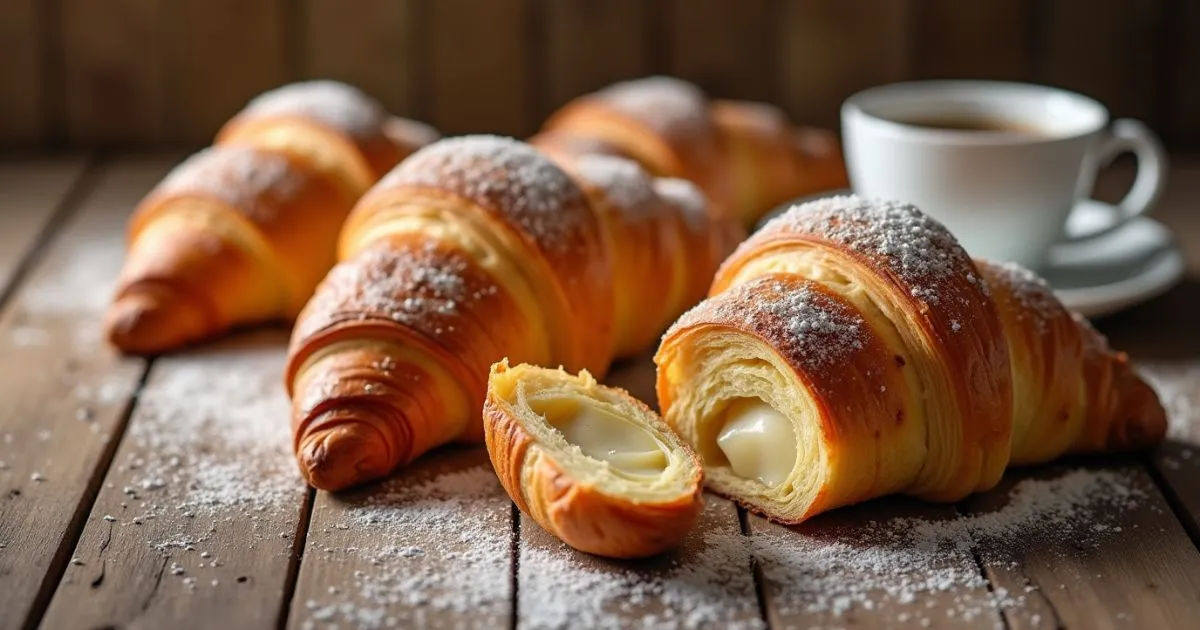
x,y
1006,192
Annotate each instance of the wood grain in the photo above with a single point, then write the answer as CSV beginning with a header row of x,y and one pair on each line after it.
x,y
217,62
479,62
707,582
22,92
1121,564
590,45
370,47
829,49
429,547
31,193
724,47
1108,49
860,567
197,515
113,62
64,390
985,39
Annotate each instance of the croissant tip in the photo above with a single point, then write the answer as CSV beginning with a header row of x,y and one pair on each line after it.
x,y
344,456
145,323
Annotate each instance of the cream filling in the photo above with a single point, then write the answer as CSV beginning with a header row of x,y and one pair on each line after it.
x,y
603,435
758,441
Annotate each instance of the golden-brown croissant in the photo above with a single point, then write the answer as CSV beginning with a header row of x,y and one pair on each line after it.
x,y
746,157
590,464
851,349
472,250
242,232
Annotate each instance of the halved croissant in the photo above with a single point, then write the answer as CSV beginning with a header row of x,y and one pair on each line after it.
x,y
590,464
856,347
472,250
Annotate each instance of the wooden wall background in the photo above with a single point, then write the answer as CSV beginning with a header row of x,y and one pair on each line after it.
x,y
168,72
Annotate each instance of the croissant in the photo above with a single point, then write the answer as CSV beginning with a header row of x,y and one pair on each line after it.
x,y
746,157
472,250
851,349
242,232
590,464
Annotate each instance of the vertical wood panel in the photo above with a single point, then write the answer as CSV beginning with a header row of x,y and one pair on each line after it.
x,y
370,47
223,52
1183,104
725,47
982,39
22,87
479,62
112,65
830,49
591,44
1107,49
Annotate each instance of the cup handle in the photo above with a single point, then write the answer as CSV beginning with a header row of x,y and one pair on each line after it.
x,y
1127,135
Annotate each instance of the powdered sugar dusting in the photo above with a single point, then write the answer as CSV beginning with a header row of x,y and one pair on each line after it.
x,y
671,106
511,178
799,320
419,552
1030,291
889,566
253,181
1177,384
707,584
912,245
625,184
335,104
691,202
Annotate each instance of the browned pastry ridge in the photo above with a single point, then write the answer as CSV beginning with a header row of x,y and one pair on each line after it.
x,y
851,349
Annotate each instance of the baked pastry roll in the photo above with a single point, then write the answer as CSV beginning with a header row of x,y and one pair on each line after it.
x,y
590,464
860,333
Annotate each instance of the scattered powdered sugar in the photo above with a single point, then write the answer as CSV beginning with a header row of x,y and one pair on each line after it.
x,y
625,184
1030,291
509,177
84,285
424,551
691,202
252,181
338,105
1178,386
892,565
911,244
795,316
671,106
708,583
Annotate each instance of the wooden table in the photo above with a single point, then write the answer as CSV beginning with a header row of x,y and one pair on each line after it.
x,y
160,493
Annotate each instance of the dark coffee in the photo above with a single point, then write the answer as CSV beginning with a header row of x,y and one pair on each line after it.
x,y
968,123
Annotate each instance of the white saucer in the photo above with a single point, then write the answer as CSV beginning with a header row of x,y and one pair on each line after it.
x,y
1100,276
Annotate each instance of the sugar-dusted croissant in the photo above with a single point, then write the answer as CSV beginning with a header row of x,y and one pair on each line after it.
x,y
745,156
590,464
475,249
851,349
242,232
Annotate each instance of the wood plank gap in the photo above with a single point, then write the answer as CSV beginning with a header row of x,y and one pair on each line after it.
x,y
297,556
760,591
515,550
1178,508
66,547
77,191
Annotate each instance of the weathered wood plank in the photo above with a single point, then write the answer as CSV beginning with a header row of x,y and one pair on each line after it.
x,y
1108,49
113,55
989,39
722,46
64,390
591,44
1117,558
707,582
1177,462
830,49
479,59
197,515
429,547
217,61
370,46
31,192
885,563
22,92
